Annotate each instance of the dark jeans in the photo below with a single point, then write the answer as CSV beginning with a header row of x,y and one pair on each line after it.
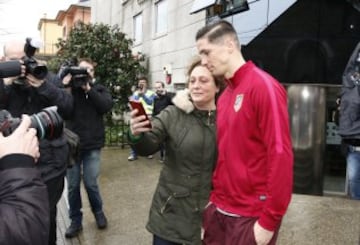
x,y
88,170
159,241
55,188
162,150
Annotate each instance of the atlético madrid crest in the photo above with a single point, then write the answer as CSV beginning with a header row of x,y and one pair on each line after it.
x,y
238,102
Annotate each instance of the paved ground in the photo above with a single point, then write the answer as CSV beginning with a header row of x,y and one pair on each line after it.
x,y
127,189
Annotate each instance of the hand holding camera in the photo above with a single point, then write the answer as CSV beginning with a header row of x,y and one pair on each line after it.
x,y
22,141
33,81
75,76
140,89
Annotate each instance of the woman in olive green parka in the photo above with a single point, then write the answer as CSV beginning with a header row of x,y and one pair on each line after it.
x,y
188,130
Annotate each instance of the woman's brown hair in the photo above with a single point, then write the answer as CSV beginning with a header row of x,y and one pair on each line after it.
x,y
195,62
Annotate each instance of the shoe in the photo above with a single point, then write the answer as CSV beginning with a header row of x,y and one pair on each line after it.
x,y
150,156
132,158
162,159
73,230
101,220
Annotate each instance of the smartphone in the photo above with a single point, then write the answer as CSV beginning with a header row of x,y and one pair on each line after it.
x,y
141,111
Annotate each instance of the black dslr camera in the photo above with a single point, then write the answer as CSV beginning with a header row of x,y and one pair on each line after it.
x,y
48,123
79,75
13,68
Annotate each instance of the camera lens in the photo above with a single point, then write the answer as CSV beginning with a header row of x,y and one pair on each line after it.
x,y
10,69
48,123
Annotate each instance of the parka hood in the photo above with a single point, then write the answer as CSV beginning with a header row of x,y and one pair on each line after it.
x,y
182,101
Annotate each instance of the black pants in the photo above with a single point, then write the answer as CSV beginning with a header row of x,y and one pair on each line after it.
x,y
159,241
55,187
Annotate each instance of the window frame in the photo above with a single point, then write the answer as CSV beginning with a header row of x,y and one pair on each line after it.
x,y
163,17
138,23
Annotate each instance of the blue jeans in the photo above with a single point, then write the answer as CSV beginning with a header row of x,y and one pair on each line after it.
x,y
133,153
90,165
353,172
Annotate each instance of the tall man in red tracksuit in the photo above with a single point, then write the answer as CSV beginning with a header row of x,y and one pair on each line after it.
x,y
252,182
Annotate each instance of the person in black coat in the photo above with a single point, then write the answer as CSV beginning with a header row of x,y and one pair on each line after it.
x,y
161,101
91,101
30,95
24,205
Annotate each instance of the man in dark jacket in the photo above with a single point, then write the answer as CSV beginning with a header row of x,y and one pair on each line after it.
x,y
24,206
30,95
91,101
349,122
161,101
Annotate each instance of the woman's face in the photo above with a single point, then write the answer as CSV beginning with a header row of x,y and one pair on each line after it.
x,y
202,88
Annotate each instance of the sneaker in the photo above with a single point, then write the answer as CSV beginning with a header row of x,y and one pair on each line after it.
x,y
150,156
101,220
132,158
162,159
73,230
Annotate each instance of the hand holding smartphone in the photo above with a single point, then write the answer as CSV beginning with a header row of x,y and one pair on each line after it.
x,y
141,111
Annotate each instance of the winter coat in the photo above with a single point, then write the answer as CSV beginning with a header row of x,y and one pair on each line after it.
x,y
161,102
87,117
24,208
349,120
185,179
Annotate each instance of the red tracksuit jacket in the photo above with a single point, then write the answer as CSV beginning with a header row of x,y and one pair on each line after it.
x,y
254,172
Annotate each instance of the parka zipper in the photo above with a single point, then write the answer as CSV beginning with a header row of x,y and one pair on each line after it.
x,y
165,204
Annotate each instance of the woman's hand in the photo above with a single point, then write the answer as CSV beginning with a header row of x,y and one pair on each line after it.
x,y
138,124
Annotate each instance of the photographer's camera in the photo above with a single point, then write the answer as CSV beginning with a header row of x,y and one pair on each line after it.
x,y
48,123
79,75
13,68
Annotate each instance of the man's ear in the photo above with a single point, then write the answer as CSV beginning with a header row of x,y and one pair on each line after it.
x,y
230,44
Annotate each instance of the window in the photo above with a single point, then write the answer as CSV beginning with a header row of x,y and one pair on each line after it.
x,y
161,17
199,5
64,32
231,5
138,28
221,8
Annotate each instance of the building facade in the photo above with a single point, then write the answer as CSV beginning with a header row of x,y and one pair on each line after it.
x,y
50,31
53,29
162,30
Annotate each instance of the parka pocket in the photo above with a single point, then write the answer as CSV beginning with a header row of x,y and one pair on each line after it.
x,y
175,198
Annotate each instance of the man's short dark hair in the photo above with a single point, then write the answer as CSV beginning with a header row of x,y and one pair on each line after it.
x,y
216,30
143,78
87,60
162,83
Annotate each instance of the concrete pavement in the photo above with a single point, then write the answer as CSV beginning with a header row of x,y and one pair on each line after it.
x,y
127,189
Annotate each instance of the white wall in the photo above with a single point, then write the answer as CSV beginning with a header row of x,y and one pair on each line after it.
x,y
174,48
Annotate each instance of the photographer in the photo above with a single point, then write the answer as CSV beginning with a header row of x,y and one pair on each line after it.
x,y
24,205
91,101
26,94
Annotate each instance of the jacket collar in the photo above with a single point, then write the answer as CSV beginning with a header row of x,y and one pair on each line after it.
x,y
235,80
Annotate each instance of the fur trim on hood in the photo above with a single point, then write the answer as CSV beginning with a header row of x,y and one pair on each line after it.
x,y
182,101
